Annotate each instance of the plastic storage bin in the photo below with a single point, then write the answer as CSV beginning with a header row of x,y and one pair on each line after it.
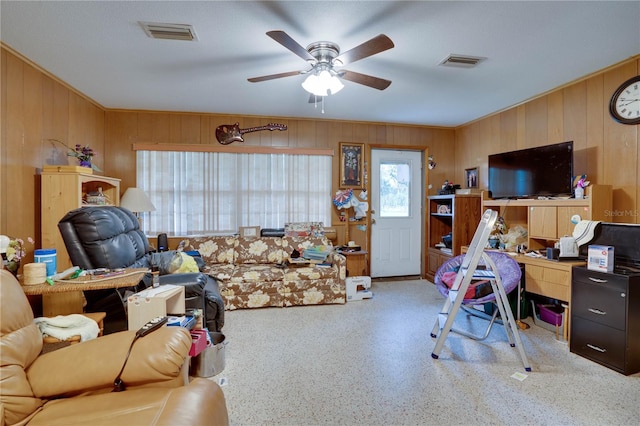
x,y
549,317
49,258
551,314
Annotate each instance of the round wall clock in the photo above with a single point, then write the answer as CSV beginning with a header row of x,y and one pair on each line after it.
x,y
625,102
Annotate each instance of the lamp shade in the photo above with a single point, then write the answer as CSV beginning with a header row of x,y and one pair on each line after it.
x,y
4,243
322,84
136,200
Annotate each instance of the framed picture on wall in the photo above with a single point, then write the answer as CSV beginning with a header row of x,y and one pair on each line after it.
x,y
472,177
351,165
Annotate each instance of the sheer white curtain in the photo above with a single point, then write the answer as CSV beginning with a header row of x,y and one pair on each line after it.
x,y
215,193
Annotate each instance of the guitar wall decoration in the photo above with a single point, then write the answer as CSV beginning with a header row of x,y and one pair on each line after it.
x,y
228,133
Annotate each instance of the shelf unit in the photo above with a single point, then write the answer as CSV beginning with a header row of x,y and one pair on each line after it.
x,y
63,191
548,220
456,214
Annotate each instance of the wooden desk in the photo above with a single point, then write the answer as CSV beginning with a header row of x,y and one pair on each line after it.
x,y
356,263
548,278
545,277
65,297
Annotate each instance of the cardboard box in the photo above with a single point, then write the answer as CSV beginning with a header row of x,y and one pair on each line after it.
x,y
600,258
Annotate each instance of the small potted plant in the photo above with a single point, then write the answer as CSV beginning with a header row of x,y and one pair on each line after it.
x,y
13,253
84,154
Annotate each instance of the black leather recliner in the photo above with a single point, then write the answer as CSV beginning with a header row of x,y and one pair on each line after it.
x,y
110,237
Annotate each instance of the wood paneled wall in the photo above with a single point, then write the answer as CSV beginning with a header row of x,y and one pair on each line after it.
x,y
606,151
36,107
124,128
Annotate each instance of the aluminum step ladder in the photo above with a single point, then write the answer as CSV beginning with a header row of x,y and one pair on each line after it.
x,y
468,271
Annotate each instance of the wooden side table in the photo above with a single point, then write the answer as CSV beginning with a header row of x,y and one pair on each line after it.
x,y
356,263
53,296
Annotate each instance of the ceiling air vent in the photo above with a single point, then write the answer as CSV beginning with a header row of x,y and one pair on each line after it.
x,y
461,61
169,31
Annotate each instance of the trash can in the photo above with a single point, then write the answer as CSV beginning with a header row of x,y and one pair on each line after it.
x,y
211,360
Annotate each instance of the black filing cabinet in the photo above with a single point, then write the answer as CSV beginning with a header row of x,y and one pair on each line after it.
x,y
605,318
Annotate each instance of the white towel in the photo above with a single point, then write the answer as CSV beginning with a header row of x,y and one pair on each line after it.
x,y
64,326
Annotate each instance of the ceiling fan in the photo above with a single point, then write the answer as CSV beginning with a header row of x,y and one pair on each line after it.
x,y
324,57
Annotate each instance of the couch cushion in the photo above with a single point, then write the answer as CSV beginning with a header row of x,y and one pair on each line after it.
x,y
219,271
213,249
263,250
253,273
312,292
20,345
262,294
310,273
201,402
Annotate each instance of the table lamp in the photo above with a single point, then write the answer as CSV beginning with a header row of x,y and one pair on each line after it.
x,y
136,200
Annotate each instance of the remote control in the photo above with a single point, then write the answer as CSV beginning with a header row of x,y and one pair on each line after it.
x,y
151,326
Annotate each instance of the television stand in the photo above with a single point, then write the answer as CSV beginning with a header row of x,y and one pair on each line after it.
x,y
546,221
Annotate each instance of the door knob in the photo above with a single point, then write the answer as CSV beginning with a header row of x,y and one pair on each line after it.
x,y
373,221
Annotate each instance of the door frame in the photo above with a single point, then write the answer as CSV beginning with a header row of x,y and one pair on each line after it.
x,y
423,203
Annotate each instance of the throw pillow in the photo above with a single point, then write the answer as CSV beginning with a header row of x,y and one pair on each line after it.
x,y
476,290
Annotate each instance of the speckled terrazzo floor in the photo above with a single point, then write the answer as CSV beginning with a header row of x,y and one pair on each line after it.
x,y
369,363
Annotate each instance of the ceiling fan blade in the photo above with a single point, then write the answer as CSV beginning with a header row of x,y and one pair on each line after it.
x,y
284,39
274,76
367,80
377,44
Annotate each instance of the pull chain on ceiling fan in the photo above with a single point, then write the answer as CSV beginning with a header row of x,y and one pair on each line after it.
x,y
323,56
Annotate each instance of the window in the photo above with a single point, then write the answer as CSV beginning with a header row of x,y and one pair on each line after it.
x,y
395,180
216,193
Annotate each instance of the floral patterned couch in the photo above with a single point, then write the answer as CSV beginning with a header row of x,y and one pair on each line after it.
x,y
254,272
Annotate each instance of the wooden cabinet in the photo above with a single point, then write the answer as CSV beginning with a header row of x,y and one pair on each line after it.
x,y
356,263
63,191
550,279
605,319
543,222
548,220
435,259
458,215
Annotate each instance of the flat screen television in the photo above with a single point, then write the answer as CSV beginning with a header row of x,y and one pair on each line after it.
x,y
533,172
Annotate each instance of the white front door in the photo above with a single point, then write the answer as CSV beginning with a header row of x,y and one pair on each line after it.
x,y
396,206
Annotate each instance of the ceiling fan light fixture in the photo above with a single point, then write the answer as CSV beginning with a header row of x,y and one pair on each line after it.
x,y
322,84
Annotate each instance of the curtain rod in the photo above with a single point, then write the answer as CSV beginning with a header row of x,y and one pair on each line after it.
x,y
236,149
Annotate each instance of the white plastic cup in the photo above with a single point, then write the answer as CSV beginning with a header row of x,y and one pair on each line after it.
x,y
48,257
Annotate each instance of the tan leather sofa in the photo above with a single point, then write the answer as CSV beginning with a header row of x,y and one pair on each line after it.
x,y
72,385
